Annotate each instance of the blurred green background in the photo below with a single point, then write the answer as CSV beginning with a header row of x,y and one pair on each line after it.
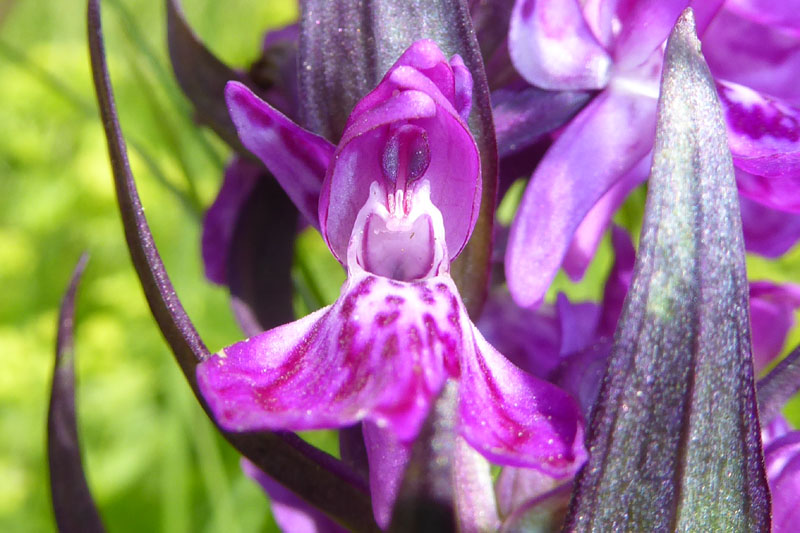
x,y
153,460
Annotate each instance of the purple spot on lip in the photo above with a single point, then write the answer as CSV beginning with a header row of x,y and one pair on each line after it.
x,y
756,121
387,319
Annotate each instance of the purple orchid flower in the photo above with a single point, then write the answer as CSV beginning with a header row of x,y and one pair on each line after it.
x,y
395,201
616,48
782,461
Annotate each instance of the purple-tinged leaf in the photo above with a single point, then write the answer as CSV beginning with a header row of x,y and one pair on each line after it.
x,y
201,75
345,47
73,505
779,386
337,63
291,513
675,437
322,480
260,260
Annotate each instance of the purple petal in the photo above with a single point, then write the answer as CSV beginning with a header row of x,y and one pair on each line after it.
x,y
292,514
296,157
387,463
598,147
772,312
645,26
763,133
705,11
516,486
516,419
618,282
529,339
762,56
767,231
593,227
782,458
380,354
769,12
553,48
780,192
522,116
581,373
220,219
578,323
453,170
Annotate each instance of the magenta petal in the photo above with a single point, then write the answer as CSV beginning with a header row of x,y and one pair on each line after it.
x,y
453,171
220,219
618,282
782,461
772,311
297,158
516,419
763,133
781,192
598,147
578,323
593,227
379,354
769,12
292,514
758,55
553,48
767,231
645,26
387,464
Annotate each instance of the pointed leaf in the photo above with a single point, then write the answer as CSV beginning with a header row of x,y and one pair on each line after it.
x,y
201,75
322,480
345,47
674,437
74,507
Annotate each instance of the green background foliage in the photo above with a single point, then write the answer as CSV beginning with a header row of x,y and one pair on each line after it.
x,y
154,462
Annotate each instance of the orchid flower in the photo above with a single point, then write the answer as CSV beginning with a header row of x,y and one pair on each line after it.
x,y
395,201
617,49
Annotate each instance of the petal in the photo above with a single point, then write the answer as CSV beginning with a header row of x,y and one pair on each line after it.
x,y
297,158
380,354
768,232
645,26
782,458
772,316
593,227
517,486
529,339
778,192
598,147
291,513
387,464
220,219
759,55
522,116
553,48
453,171
618,282
768,12
578,323
516,419
763,133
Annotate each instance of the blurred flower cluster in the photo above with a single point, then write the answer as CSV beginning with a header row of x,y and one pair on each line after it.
x,y
469,394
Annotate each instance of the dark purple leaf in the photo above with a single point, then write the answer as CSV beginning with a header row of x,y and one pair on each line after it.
x,y
321,479
674,438
778,387
201,75
260,258
73,505
345,47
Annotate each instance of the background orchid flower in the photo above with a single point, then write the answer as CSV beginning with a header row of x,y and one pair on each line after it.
x,y
604,151
397,199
